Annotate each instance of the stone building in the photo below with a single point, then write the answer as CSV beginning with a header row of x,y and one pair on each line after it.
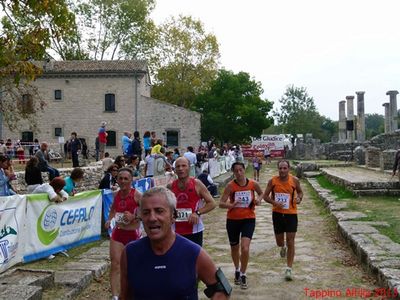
x,y
79,95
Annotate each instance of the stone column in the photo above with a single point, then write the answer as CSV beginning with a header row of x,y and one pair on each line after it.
x,y
387,117
342,121
393,109
360,117
350,117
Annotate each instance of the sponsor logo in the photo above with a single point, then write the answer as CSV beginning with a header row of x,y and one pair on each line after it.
x,y
7,247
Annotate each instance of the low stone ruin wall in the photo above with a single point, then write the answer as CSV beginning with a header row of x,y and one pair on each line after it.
x,y
91,179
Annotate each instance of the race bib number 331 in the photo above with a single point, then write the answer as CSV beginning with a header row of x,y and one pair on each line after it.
x,y
183,214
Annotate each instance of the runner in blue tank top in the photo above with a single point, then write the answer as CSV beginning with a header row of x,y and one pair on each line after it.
x,y
165,265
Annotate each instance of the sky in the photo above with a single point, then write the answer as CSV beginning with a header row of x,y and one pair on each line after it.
x,y
333,48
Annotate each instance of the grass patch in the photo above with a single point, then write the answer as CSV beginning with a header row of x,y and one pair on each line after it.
x,y
380,209
339,191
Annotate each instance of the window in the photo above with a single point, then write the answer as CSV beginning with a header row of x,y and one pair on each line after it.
x,y
172,138
26,104
58,132
27,136
57,95
110,102
111,138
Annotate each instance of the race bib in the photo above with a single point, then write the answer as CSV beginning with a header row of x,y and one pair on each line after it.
x,y
183,214
243,198
283,198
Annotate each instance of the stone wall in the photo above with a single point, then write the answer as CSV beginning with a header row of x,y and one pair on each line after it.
x,y
372,157
91,180
82,109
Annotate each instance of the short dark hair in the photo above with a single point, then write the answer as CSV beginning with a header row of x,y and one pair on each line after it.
x,y
136,134
77,173
238,163
283,161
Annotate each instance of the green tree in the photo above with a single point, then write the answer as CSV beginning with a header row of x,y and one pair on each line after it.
x,y
232,109
298,115
184,61
111,29
26,32
374,125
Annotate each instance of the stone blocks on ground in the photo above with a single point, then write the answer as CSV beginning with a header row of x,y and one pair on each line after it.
x,y
74,279
24,277
20,292
375,251
98,268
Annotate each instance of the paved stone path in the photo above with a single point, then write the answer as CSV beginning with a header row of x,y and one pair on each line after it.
x,y
322,261
358,174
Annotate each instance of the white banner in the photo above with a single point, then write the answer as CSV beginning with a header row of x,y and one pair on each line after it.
x,y
12,217
55,227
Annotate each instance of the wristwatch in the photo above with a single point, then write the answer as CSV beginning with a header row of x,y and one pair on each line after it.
x,y
198,213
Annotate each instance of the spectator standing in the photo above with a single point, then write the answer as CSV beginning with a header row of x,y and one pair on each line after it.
x,y
149,167
169,155
109,180
153,139
146,143
126,144
10,148
206,179
3,148
74,146
44,166
97,148
159,163
5,188
156,148
191,156
36,146
176,154
33,175
136,145
107,161
20,153
102,135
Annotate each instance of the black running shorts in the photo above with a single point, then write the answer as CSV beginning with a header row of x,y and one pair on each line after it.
x,y
239,228
284,222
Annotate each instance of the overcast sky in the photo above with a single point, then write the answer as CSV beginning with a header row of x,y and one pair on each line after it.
x,y
332,48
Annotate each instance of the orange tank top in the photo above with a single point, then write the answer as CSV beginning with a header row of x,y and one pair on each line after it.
x,y
245,208
285,192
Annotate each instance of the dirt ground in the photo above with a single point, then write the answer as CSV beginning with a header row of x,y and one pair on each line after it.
x,y
323,262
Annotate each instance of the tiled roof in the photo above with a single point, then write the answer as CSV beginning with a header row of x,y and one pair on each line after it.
x,y
89,66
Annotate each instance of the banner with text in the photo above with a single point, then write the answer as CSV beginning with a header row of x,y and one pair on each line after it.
x,y
12,217
274,142
55,227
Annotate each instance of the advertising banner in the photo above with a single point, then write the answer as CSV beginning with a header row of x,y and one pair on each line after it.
x,y
275,144
12,217
53,227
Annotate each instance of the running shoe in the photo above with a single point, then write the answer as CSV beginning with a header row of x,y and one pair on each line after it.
x,y
243,282
288,274
237,278
283,251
